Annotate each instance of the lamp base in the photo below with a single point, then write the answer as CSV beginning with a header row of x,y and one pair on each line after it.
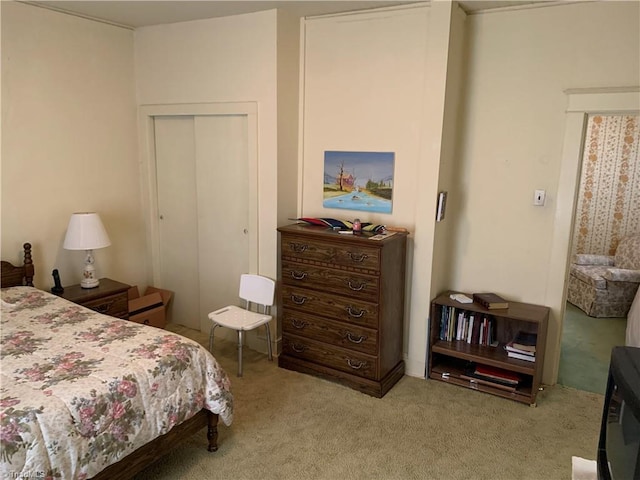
x,y
89,283
89,279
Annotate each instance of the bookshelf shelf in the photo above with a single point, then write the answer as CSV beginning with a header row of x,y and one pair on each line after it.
x,y
453,361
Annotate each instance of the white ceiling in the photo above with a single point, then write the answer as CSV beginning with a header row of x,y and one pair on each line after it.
x,y
141,13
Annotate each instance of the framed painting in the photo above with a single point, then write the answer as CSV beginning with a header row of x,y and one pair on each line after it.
x,y
360,181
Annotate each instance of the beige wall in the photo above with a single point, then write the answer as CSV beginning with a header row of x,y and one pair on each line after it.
x,y
217,60
288,53
450,158
377,81
365,89
69,141
520,63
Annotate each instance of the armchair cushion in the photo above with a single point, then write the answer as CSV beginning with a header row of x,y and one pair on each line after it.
x,y
622,275
592,275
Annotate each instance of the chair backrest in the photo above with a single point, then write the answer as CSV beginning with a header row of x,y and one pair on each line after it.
x,y
628,253
257,289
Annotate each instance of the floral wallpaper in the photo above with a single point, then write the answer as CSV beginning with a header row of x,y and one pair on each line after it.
x,y
608,206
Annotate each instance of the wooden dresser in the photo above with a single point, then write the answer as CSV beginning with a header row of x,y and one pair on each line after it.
x,y
342,306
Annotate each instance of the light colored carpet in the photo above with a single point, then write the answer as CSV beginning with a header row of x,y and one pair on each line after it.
x,y
293,426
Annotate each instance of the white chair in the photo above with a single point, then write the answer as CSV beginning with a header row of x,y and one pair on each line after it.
x,y
254,289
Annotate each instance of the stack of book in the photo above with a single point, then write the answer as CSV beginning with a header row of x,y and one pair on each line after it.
x,y
470,327
523,346
493,376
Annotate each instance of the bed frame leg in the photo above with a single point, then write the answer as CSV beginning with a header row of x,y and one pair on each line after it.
x,y
212,431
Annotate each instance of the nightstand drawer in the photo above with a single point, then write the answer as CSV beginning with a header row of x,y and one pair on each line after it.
x,y
109,298
115,305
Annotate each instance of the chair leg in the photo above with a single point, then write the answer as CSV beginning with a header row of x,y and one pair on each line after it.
x,y
269,341
213,327
240,341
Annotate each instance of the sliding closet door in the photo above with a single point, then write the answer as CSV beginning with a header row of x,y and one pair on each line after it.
x,y
202,174
222,179
178,214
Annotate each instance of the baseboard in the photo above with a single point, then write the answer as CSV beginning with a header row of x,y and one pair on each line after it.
x,y
414,368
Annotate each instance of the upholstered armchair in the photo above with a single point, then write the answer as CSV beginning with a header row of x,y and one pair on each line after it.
x,y
604,286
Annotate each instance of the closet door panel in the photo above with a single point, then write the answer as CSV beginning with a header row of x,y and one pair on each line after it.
x,y
178,212
222,179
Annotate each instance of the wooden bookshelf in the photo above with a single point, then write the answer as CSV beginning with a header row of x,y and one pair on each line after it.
x,y
451,361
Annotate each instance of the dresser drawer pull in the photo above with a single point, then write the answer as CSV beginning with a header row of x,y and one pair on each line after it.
x,y
298,275
103,307
298,247
355,314
299,324
357,287
298,300
358,257
360,339
298,348
356,365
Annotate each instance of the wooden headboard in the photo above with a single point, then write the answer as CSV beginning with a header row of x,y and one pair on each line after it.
x,y
14,276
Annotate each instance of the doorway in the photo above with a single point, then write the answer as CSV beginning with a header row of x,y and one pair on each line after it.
x,y
585,342
201,163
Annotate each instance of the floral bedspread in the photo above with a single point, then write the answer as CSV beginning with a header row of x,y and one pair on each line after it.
x,y
80,390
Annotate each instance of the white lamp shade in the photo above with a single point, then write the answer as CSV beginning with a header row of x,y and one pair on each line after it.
x,y
86,232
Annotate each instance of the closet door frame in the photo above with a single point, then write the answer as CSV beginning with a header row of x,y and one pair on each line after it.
x,y
148,170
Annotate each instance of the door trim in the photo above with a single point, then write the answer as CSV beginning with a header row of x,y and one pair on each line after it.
x,y
146,115
580,104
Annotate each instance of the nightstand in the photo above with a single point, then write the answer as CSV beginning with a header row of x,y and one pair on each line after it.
x,y
110,297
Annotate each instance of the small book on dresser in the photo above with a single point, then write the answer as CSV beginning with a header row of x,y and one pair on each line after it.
x,y
490,300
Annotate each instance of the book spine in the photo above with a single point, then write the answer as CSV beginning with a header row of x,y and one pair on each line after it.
x,y
509,348
475,336
484,303
519,356
452,321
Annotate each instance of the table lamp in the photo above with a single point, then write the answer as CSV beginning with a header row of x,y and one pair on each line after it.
x,y
86,232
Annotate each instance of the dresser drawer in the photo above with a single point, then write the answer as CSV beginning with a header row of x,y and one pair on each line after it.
x,y
342,254
339,334
355,363
331,306
351,284
115,305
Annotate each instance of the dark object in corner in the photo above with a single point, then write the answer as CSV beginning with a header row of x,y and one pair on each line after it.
x,y
619,441
57,288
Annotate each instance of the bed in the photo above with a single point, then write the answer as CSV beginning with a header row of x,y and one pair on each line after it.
x,y
632,337
85,395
